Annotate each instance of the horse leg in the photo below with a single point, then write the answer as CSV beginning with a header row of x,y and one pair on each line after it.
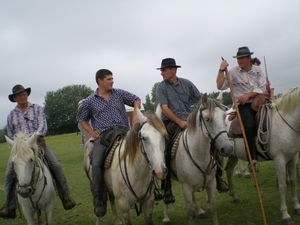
x,y
28,210
200,212
114,210
49,212
292,171
125,208
231,164
280,169
189,201
166,219
244,169
211,192
237,171
148,210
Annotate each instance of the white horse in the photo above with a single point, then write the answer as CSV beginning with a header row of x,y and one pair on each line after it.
x,y
284,146
136,162
194,164
33,180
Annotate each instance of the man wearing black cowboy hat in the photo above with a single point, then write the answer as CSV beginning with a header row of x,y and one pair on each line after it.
x,y
248,81
175,95
29,118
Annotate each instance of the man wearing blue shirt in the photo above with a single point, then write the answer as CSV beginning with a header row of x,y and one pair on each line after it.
x,y
105,109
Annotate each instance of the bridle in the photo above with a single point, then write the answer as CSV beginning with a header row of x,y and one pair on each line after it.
x,y
213,151
36,176
125,174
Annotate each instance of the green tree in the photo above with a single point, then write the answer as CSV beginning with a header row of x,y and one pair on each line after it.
x,y
61,107
150,102
227,100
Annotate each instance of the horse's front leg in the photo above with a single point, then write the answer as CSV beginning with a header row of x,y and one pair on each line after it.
x,y
148,209
125,208
231,164
292,171
27,209
280,169
211,194
114,210
189,196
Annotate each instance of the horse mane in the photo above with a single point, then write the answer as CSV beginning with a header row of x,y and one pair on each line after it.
x,y
22,150
132,138
210,106
288,101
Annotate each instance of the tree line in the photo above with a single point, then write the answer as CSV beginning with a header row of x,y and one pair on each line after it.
x,y
61,107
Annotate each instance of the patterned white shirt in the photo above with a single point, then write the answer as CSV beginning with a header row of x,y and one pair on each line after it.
x,y
31,120
244,82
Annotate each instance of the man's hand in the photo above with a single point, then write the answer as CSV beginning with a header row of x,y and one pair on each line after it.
x,y
95,134
182,124
243,99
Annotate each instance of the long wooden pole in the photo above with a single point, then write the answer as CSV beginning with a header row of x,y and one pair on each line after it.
x,y
247,147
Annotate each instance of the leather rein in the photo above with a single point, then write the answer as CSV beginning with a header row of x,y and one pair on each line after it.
x,y
213,162
126,177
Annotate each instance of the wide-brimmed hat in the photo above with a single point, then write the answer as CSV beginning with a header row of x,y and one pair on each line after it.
x,y
168,62
242,52
18,89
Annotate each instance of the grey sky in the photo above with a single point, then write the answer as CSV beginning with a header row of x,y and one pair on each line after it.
x,y
47,45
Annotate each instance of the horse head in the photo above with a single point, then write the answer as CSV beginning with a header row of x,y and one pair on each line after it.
x,y
211,116
151,136
23,150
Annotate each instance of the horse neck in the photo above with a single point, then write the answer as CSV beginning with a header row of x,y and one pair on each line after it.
x,y
292,118
197,142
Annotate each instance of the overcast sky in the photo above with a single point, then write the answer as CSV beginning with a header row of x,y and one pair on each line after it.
x,y
47,45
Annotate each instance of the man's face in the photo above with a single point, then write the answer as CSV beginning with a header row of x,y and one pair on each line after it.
x,y
107,83
167,73
244,62
21,98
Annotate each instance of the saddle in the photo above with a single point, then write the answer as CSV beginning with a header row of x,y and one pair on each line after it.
x,y
110,138
260,104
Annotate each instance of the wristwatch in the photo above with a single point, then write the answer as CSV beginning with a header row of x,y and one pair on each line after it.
x,y
221,70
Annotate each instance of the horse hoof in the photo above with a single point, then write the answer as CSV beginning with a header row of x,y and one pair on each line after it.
x,y
247,176
297,211
237,201
202,216
287,221
166,222
238,175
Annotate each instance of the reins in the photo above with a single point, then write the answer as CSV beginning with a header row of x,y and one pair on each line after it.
x,y
213,162
126,177
286,121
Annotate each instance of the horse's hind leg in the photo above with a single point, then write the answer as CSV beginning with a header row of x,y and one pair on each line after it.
x,y
231,164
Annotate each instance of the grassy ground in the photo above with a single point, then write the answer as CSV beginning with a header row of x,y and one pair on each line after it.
x,y
68,150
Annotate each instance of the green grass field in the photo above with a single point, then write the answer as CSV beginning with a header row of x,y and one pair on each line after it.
x,y
70,154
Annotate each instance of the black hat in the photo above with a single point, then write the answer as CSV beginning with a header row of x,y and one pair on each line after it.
x,y
168,62
242,52
18,89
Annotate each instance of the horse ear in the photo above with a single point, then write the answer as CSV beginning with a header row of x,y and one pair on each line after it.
x,y
204,99
31,140
220,97
158,110
9,141
140,115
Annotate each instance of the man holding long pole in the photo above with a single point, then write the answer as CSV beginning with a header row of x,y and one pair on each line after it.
x,y
245,82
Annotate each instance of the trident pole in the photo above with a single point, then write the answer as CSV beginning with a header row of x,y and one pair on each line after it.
x,y
247,146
